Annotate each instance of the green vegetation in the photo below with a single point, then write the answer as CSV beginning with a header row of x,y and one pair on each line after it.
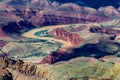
x,y
33,54
42,50
81,70
108,47
30,40
43,33
78,69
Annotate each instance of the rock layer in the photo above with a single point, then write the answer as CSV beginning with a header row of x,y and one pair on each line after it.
x,y
34,17
62,34
104,30
74,67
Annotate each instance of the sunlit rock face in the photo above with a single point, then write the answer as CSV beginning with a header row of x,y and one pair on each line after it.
x,y
110,11
79,68
41,16
67,36
42,13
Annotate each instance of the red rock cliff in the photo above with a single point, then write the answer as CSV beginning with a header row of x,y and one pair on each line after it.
x,y
62,34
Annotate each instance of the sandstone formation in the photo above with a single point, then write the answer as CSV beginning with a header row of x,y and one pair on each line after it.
x,y
46,13
54,57
110,11
78,28
53,17
77,68
71,7
18,65
7,76
32,17
87,59
62,34
104,30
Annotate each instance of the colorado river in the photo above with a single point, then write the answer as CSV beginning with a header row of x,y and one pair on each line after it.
x,y
31,34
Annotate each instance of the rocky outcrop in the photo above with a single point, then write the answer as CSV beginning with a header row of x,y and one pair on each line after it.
x,y
107,46
98,50
53,17
78,68
18,19
50,13
19,65
110,11
7,76
62,34
70,7
104,30
36,3
4,37
106,70
2,43
53,57
34,17
17,28
27,71
30,20
110,58
78,28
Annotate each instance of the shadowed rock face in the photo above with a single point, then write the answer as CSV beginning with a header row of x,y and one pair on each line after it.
x,y
34,17
2,43
86,50
61,17
14,27
18,65
79,67
110,11
15,65
7,76
45,13
54,57
98,50
15,19
49,19
104,30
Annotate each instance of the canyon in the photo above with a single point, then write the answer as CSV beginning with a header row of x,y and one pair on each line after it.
x,y
49,40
